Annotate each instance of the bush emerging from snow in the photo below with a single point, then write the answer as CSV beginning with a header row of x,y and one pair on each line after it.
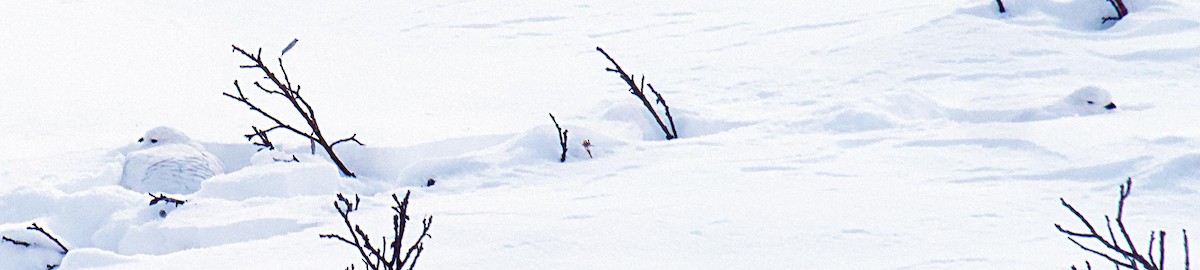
x,y
292,95
1125,256
377,257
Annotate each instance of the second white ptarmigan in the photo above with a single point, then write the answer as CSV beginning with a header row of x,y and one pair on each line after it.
x,y
167,161
1088,100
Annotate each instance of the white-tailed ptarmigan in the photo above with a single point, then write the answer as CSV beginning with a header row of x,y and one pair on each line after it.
x,y
167,161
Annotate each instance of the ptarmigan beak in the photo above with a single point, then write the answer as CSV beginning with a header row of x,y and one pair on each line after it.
x,y
1110,106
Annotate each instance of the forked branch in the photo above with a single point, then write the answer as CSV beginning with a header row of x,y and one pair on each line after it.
x,y
637,91
34,227
164,199
562,139
379,257
284,88
1119,6
1126,255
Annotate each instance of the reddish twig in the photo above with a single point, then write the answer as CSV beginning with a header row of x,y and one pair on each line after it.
x,y
587,146
163,198
637,91
1119,6
666,110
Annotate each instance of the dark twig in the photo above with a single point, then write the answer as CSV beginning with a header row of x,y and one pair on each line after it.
x,y
285,89
163,198
1187,257
37,228
15,242
1125,256
1119,6
562,139
351,139
1001,4
379,257
666,110
637,91
264,142
1162,251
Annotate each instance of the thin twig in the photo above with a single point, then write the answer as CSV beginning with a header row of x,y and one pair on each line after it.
x,y
15,242
1131,255
35,227
164,198
1119,6
350,139
265,142
1187,257
299,104
562,139
636,91
1151,249
666,110
379,257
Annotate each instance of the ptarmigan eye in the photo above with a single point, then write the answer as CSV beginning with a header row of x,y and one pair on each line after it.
x,y
153,140
1091,102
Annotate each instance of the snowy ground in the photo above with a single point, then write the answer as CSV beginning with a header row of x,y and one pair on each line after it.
x,y
816,134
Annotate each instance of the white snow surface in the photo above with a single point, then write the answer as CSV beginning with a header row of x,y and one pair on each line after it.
x,y
814,134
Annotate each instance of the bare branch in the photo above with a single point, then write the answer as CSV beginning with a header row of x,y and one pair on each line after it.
x,y
562,139
1162,251
15,242
338,237
163,198
666,110
1151,249
637,91
299,104
379,257
35,227
264,141
1001,4
1131,255
351,139
1119,6
1106,256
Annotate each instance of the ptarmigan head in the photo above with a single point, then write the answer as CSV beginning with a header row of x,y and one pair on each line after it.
x,y
162,136
1090,100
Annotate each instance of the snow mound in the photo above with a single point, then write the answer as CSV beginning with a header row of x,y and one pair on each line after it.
x,y
278,180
